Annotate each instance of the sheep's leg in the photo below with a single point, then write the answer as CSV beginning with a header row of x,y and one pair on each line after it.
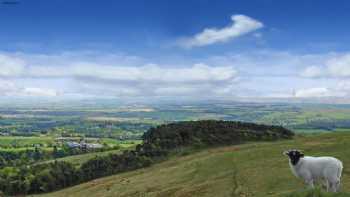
x,y
310,183
327,185
331,187
334,186
337,186
324,184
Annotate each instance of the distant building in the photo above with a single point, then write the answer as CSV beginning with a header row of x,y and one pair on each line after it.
x,y
72,144
93,145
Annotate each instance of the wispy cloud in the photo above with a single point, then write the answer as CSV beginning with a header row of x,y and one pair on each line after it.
x,y
255,74
152,73
10,66
337,66
39,92
312,72
240,26
10,88
113,77
313,92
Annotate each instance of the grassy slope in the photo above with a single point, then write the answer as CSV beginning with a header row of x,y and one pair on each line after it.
x,y
256,169
81,158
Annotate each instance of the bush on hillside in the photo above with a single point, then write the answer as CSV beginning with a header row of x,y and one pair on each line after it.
x,y
209,133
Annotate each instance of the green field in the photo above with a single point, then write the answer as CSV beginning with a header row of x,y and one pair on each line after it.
x,y
107,120
79,159
19,141
253,169
15,142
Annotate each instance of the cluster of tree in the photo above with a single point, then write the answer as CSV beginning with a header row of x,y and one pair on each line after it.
x,y
211,132
47,177
30,156
37,178
157,143
22,157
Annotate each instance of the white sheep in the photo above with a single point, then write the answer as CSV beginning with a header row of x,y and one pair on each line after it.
x,y
313,169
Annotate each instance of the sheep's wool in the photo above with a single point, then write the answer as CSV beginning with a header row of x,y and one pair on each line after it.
x,y
316,168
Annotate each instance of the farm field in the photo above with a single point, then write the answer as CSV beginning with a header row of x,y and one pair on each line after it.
x,y
252,169
81,158
21,141
131,121
13,142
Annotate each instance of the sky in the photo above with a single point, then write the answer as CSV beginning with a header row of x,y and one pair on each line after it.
x,y
170,49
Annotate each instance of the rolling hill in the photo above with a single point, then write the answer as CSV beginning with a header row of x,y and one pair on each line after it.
x,y
251,169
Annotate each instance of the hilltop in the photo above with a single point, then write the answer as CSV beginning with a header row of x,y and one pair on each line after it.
x,y
251,169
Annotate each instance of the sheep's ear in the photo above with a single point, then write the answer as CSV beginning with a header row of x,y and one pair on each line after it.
x,y
286,152
302,155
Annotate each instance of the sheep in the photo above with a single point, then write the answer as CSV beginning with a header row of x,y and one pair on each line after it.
x,y
313,169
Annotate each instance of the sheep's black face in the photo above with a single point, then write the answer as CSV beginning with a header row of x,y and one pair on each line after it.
x,y
294,156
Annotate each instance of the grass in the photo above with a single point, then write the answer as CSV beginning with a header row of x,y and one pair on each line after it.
x,y
79,159
317,192
122,144
253,169
18,143
24,141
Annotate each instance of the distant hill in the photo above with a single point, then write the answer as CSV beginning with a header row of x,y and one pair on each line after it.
x,y
251,169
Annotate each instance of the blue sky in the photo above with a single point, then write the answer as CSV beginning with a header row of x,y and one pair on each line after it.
x,y
192,48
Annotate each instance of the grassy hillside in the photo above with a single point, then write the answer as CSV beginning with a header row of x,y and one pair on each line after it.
x,y
253,169
81,158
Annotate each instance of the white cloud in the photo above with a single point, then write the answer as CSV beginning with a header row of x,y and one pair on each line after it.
x,y
312,71
48,71
51,75
320,92
257,73
313,92
339,66
153,73
154,80
344,86
7,87
175,90
25,67
39,92
10,88
10,66
241,25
